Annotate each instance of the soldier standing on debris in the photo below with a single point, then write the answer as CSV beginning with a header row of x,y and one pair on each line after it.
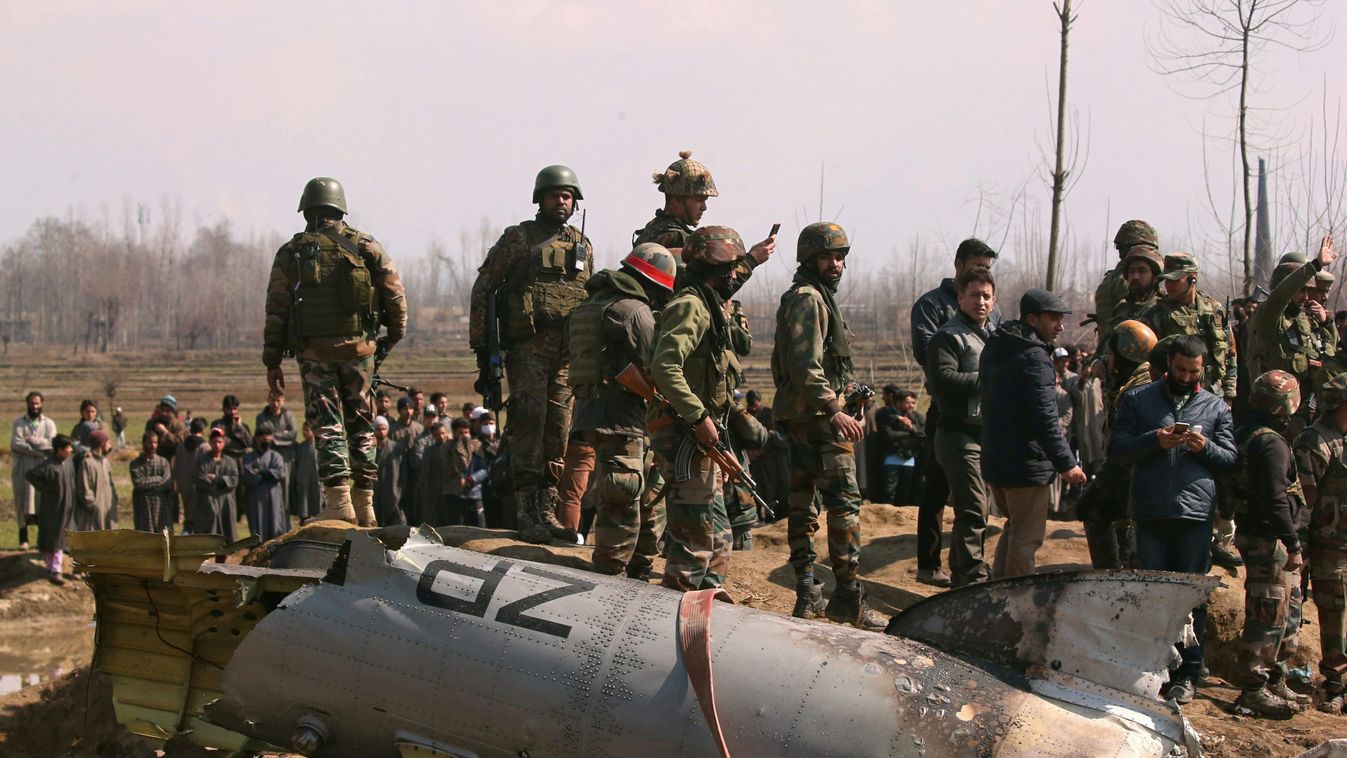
x,y
537,271
1321,459
690,367
1267,504
812,370
1133,237
332,287
612,329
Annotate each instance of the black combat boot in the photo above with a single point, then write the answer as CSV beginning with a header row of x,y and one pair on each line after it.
x,y
743,538
639,572
808,598
848,606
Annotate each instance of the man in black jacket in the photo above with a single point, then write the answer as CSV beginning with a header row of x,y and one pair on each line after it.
x,y
1268,501
952,375
899,433
1023,447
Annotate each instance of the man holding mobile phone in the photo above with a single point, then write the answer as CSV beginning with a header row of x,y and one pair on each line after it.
x,y
1178,437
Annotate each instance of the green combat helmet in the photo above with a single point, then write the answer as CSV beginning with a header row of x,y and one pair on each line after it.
x,y
686,177
1284,270
323,192
714,245
1323,280
1276,393
1145,253
1135,341
556,176
1293,257
818,238
1179,265
1333,393
1135,232
653,262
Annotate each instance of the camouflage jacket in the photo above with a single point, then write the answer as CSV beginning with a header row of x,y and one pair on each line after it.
x,y
691,360
505,258
1322,465
1272,336
1107,295
281,293
810,378
668,231
1205,318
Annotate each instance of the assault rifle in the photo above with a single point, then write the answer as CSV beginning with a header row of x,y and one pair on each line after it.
x,y
859,395
376,381
490,364
635,382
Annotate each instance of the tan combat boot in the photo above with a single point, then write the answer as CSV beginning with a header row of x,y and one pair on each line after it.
x,y
338,504
548,501
363,500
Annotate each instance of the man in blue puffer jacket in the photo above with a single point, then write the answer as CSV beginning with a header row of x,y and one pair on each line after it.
x,y
1023,447
1177,436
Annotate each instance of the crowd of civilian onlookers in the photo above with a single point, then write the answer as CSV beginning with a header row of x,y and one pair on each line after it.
x,y
204,476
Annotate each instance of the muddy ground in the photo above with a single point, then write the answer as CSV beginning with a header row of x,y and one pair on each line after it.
x,y
72,715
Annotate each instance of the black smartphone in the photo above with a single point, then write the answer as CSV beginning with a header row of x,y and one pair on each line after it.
x,y
775,228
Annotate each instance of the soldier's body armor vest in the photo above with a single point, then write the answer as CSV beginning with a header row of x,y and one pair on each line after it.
x,y
1294,350
1204,319
589,354
336,296
548,285
1328,521
1239,479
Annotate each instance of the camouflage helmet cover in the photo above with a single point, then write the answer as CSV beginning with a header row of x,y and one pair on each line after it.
x,y
323,192
1135,232
1145,253
686,177
653,262
714,245
556,176
1333,393
1135,340
820,237
1275,392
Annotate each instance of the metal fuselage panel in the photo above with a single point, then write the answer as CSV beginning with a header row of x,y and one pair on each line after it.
x,y
495,656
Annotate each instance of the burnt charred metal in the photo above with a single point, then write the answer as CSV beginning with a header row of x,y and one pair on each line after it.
x,y
434,650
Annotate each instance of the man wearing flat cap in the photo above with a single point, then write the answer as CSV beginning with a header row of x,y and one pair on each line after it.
x,y
1024,448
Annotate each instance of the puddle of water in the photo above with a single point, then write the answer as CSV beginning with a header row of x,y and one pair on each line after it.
x,y
32,653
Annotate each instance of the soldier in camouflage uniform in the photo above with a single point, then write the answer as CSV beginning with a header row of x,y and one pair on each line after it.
x,y
1321,457
691,368
1325,330
1267,502
1276,333
686,185
1133,236
812,370
331,289
745,434
538,268
612,329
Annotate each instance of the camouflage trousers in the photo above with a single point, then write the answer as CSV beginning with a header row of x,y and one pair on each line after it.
x,y
619,464
539,413
823,476
697,528
336,408
742,511
1328,570
654,518
1271,631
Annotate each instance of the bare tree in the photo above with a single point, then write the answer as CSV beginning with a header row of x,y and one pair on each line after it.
x,y
1217,44
1059,172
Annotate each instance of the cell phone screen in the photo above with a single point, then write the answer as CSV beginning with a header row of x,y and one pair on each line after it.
x,y
1180,428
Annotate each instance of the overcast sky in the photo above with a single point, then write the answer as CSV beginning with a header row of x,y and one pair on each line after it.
x,y
436,115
